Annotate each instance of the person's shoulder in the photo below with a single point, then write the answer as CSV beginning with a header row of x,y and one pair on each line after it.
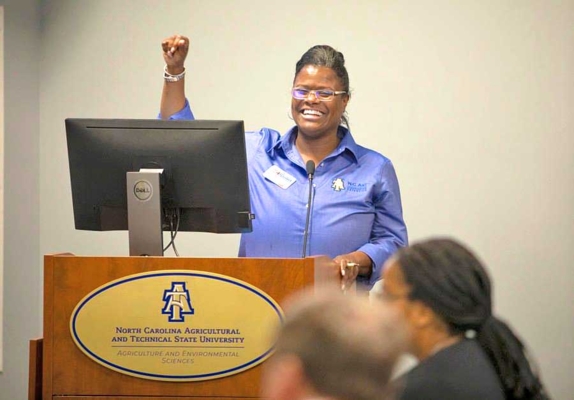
x,y
373,155
459,371
419,383
264,132
263,137
430,382
374,161
367,154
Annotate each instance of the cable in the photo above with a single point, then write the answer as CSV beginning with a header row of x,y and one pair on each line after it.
x,y
172,231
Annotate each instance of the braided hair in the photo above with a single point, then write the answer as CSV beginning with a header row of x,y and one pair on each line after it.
x,y
450,279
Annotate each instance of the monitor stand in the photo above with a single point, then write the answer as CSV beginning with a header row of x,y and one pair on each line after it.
x,y
144,213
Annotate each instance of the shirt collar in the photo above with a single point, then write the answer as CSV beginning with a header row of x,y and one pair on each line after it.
x,y
287,143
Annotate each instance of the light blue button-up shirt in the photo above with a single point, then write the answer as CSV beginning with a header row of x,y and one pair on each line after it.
x,y
356,201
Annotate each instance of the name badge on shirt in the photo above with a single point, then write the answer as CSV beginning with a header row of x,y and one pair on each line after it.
x,y
279,177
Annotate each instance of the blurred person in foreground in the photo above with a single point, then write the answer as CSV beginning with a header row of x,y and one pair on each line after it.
x,y
465,352
333,346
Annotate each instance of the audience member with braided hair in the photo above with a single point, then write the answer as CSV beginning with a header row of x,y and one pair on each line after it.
x,y
464,350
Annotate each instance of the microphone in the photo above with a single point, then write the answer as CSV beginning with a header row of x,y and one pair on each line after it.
x,y
310,167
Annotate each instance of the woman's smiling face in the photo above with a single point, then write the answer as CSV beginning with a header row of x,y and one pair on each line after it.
x,y
315,118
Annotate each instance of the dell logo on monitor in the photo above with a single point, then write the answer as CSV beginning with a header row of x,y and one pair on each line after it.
x,y
142,190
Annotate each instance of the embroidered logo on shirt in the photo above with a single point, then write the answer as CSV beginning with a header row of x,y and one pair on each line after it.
x,y
338,185
356,187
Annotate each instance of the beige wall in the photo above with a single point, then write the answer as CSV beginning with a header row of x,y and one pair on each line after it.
x,y
22,274
2,179
472,100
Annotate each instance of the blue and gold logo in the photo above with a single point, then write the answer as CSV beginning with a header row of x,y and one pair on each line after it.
x,y
177,302
122,325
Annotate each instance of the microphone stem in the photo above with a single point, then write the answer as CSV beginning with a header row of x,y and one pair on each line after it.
x,y
305,236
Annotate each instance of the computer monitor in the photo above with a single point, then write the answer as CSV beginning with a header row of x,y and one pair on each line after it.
x,y
204,178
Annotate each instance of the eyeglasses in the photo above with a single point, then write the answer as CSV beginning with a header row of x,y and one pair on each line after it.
x,y
321,95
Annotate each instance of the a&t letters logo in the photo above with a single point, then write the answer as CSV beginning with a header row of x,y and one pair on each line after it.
x,y
177,303
338,185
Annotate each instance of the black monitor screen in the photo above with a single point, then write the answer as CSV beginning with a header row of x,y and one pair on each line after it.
x,y
204,164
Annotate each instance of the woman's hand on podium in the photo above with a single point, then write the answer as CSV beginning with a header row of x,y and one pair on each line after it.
x,y
352,265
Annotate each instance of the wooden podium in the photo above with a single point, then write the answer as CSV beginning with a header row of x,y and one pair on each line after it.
x,y
66,372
